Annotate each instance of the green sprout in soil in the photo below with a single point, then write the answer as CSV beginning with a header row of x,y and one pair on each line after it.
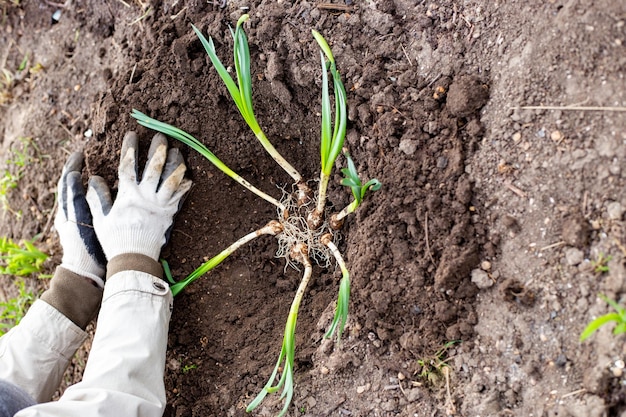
x,y
18,260
12,311
21,260
189,367
16,165
436,369
601,263
619,317
304,226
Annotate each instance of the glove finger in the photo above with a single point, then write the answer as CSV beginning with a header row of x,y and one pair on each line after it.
x,y
181,193
172,183
99,198
127,170
73,164
174,160
156,160
80,214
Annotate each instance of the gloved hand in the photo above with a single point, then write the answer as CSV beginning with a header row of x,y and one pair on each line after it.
x,y
82,253
143,212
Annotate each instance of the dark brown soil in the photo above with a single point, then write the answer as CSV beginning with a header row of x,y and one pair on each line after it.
x,y
471,191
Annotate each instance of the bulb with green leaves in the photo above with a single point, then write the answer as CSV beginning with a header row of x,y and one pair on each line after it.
x,y
304,227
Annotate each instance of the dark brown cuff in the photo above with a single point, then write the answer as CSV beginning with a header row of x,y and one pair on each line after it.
x,y
76,297
134,262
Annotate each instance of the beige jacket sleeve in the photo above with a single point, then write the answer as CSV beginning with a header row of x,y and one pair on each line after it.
x,y
35,354
124,373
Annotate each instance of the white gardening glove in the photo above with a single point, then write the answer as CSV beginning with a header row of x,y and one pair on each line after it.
x,y
139,219
82,253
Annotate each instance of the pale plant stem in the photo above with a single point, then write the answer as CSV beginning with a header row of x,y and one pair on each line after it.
x,y
350,208
244,183
321,197
293,173
306,276
335,251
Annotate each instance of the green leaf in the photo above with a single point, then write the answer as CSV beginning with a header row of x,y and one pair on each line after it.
x,y
326,139
597,323
323,45
341,310
620,328
209,47
242,68
167,271
331,144
372,184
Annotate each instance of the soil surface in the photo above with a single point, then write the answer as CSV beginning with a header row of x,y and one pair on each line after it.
x,y
474,268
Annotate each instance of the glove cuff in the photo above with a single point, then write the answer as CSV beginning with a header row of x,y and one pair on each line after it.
x,y
74,296
134,262
85,268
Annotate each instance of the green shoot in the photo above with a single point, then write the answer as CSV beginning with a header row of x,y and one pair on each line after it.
x,y
287,352
15,167
23,260
332,138
619,317
241,92
343,299
435,366
18,261
194,143
189,367
13,310
23,64
352,180
601,264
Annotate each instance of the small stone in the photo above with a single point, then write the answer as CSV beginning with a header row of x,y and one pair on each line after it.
x,y
311,402
413,394
517,136
561,360
541,133
575,231
361,389
556,136
408,146
485,265
324,370
574,256
481,279
615,210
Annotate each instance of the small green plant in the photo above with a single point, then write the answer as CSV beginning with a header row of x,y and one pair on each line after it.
x,y
619,317
189,367
18,261
9,78
304,227
13,310
436,369
16,164
433,367
601,263
21,259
